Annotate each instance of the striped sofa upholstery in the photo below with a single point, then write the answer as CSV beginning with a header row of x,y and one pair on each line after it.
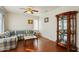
x,y
8,43
8,39
21,33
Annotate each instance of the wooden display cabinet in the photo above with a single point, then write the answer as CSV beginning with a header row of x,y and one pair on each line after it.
x,y
66,30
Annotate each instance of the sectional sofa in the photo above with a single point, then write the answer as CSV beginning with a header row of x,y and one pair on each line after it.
x,y
9,39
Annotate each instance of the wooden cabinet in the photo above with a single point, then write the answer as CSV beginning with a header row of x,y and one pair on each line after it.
x,y
67,29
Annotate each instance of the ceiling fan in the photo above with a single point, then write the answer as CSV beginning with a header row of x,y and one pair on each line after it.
x,y
29,10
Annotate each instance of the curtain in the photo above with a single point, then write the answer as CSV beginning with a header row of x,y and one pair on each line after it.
x,y
36,25
1,23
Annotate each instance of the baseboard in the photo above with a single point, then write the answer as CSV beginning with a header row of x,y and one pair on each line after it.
x,y
48,39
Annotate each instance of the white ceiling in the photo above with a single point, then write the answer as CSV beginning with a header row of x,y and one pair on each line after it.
x,y
41,9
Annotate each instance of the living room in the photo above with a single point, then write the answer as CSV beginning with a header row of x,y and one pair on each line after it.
x,y
43,22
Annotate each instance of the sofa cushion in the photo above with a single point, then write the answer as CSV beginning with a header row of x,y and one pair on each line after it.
x,y
2,35
8,43
7,34
29,32
12,33
18,32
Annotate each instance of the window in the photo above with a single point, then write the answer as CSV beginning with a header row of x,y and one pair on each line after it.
x,y
36,24
1,24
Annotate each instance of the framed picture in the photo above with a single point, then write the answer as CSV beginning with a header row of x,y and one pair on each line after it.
x,y
30,21
46,19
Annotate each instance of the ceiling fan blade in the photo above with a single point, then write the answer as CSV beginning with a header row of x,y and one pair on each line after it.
x,y
35,10
25,11
31,12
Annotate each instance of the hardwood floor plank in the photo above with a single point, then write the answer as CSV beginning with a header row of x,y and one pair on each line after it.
x,y
44,45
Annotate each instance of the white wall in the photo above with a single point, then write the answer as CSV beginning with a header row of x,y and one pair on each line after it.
x,y
19,21
49,29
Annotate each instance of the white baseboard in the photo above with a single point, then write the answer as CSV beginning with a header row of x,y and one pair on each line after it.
x,y
48,38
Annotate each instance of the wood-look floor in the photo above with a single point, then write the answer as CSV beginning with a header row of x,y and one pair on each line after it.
x,y
44,45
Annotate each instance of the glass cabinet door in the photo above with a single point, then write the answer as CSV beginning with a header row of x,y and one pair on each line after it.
x,y
72,17
63,30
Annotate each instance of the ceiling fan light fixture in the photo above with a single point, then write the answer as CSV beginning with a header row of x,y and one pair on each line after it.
x,y
29,12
